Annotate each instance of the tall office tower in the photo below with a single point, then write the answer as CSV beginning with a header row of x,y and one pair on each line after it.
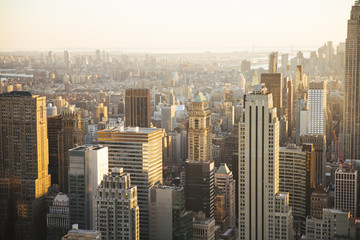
x,y
273,62
310,173
302,118
273,83
335,224
346,188
168,218
168,118
67,58
58,219
320,199
139,152
64,133
284,61
292,179
24,177
319,144
297,82
87,167
116,211
317,108
137,108
290,105
171,98
228,116
351,124
260,201
221,219
199,133
224,180
199,168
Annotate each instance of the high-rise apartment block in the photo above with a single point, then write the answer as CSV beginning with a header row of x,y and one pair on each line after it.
x,y
137,108
24,159
139,152
346,189
116,211
58,218
317,108
264,212
167,215
87,167
351,129
199,168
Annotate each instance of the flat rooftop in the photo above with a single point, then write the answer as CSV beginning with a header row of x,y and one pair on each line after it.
x,y
130,130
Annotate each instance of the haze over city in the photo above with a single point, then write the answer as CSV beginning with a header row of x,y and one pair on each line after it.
x,y
161,24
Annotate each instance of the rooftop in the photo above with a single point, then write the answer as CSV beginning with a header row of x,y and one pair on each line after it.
x,y
200,98
130,130
17,94
223,169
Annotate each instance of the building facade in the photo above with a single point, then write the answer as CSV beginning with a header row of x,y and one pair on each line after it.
x,y
116,211
168,218
264,212
317,105
58,218
137,108
24,159
87,167
139,152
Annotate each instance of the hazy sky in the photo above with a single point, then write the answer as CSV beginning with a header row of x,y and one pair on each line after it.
x,y
171,24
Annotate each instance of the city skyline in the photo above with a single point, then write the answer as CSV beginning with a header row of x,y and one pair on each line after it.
x,y
139,24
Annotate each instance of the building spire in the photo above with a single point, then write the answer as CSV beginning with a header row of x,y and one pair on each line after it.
x,y
255,80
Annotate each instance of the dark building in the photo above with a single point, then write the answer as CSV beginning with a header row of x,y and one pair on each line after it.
x,y
320,199
64,133
24,177
319,144
310,173
137,108
199,187
273,83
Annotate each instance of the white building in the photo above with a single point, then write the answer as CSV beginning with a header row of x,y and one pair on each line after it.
x,y
317,108
264,213
58,222
203,228
168,117
116,211
346,189
87,167
225,181
139,152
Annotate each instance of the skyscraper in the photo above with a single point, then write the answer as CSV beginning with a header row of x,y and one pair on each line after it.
x,y
199,168
224,180
317,108
292,175
264,212
137,108
64,133
346,188
168,117
58,219
319,144
87,167
168,218
351,124
116,211
273,83
139,152
273,62
24,177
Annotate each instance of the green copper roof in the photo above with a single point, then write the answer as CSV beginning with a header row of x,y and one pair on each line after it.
x,y
200,98
223,169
